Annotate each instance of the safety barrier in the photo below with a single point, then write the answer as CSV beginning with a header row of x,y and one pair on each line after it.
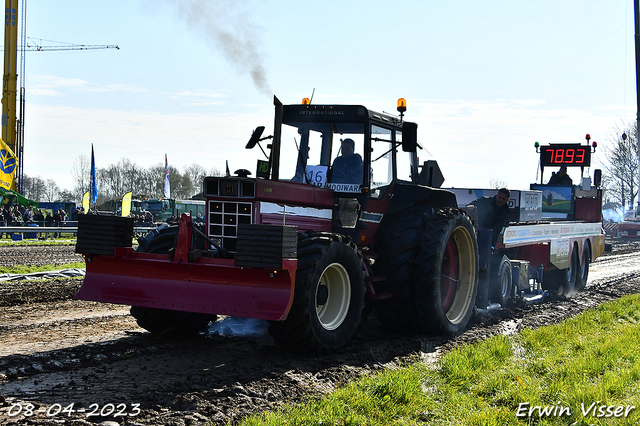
x,y
55,230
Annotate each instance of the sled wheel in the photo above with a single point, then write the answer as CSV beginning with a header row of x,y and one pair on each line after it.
x,y
573,273
584,267
554,281
396,245
563,281
446,279
502,288
163,322
329,295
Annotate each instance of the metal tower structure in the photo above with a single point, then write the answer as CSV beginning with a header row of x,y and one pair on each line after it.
x,y
13,119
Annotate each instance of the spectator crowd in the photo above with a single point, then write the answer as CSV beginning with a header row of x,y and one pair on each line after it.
x,y
18,215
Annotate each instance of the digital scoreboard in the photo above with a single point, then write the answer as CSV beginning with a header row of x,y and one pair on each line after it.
x,y
565,155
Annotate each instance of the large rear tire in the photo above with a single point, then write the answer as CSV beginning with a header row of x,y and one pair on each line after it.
x,y
329,295
397,246
446,279
163,322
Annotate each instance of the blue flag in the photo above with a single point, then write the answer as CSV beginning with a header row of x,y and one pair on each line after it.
x,y
167,184
94,183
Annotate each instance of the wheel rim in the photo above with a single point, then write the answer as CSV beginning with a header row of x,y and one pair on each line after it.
x,y
333,296
457,281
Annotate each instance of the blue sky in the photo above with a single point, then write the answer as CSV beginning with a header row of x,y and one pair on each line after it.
x,y
484,80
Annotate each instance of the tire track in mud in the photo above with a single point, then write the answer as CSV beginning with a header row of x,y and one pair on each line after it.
x,y
38,255
64,352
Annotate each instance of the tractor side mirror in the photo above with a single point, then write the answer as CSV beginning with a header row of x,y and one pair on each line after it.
x,y
255,137
409,136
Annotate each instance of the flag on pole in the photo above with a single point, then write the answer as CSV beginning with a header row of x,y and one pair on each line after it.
x,y
94,183
126,204
8,164
85,202
167,185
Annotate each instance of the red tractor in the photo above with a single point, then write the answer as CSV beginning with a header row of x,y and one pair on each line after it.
x,y
338,217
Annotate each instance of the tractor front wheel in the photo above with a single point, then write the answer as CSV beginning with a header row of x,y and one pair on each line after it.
x,y
162,322
329,295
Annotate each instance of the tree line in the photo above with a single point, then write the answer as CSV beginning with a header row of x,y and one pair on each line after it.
x,y
620,167
619,177
115,180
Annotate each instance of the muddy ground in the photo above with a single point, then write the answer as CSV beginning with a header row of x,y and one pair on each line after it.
x,y
67,362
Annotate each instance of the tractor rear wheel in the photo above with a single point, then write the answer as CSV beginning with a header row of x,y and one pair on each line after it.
x,y
446,279
328,298
162,322
396,246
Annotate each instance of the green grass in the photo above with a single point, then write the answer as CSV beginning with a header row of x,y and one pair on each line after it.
x,y
593,358
22,269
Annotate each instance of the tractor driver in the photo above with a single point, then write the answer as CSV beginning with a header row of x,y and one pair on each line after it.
x,y
347,168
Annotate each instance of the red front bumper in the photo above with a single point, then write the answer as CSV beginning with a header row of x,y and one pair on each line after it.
x,y
211,286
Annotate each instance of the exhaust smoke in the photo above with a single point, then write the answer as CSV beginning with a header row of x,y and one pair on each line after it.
x,y
240,327
230,31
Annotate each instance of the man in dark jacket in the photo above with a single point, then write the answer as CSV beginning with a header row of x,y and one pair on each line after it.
x,y
492,212
347,168
561,177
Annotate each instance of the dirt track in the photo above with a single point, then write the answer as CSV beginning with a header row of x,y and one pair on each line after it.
x,y
55,352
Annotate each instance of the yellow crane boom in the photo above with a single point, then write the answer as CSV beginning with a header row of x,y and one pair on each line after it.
x,y
10,77
12,128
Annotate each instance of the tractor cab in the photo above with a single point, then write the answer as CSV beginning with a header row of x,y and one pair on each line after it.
x,y
363,163
345,148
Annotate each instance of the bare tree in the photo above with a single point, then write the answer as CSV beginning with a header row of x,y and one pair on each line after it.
x,y
196,173
51,190
181,185
214,171
34,188
146,185
116,180
621,165
110,183
497,183
66,196
81,172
